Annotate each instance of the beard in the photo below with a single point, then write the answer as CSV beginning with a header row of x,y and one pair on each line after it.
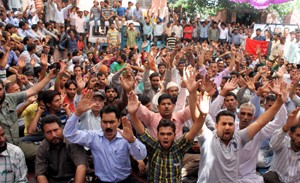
x,y
3,147
2,99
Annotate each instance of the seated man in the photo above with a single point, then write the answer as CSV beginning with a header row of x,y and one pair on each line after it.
x,y
111,149
58,160
285,165
12,161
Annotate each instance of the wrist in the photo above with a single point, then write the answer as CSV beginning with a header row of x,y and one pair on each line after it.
x,y
132,140
285,128
77,113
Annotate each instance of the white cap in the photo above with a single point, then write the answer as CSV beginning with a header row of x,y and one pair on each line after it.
x,y
172,84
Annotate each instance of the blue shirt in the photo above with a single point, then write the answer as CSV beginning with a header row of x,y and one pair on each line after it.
x,y
121,11
111,158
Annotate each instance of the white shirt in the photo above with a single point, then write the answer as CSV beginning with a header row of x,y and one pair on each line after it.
x,y
15,4
178,31
223,32
249,153
286,162
59,14
80,24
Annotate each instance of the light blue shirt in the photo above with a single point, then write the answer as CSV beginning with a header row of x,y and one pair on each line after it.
x,y
111,158
204,30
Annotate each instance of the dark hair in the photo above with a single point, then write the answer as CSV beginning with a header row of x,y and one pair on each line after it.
x,y
2,83
77,65
49,95
34,26
69,83
40,96
144,99
25,40
8,85
165,96
235,73
123,57
111,109
161,64
22,23
131,54
9,26
51,118
31,47
154,74
231,94
75,53
224,113
270,98
28,73
166,123
110,87
294,128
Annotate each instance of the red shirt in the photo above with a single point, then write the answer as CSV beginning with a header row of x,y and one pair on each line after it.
x,y
188,32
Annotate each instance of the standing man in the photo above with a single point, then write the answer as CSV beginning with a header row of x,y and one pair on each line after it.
x,y
12,161
113,36
95,14
131,34
58,160
111,148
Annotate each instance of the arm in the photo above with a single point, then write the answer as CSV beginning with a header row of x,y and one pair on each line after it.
x,y
198,119
80,174
4,60
23,107
146,81
267,116
31,129
42,179
136,123
40,85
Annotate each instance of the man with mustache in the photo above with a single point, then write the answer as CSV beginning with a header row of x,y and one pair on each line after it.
x,y
58,160
111,148
12,161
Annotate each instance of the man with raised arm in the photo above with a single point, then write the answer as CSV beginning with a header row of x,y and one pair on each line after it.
x,y
221,148
111,148
166,153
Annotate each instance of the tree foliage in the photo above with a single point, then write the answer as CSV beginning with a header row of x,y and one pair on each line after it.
x,y
212,7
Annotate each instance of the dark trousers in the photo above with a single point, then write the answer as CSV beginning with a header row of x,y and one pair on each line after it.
x,y
129,179
271,177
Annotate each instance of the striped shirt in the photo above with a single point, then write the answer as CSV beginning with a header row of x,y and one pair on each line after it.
x,y
165,165
286,162
12,165
171,42
113,36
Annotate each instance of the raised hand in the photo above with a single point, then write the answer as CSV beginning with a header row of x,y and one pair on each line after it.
x,y
275,87
293,119
250,83
44,59
127,132
86,103
133,103
127,80
208,85
283,94
80,82
21,62
23,79
230,85
204,103
190,79
281,71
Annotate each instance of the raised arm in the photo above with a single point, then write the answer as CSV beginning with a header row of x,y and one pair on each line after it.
x,y
40,85
132,107
267,116
197,116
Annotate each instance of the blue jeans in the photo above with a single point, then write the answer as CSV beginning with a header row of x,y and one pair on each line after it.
x,y
96,19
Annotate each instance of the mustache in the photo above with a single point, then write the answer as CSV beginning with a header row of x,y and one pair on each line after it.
x,y
108,130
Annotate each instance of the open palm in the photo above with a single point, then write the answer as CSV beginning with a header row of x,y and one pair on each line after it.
x,y
133,103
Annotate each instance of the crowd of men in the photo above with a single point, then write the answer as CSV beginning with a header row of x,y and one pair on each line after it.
x,y
195,107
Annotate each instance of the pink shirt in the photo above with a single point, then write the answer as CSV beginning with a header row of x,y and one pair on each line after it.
x,y
151,119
